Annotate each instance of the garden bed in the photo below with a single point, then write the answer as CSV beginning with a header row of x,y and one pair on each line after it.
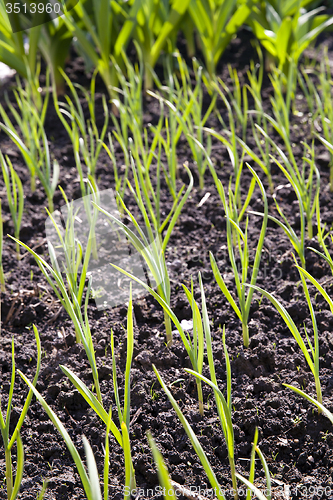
x,y
296,441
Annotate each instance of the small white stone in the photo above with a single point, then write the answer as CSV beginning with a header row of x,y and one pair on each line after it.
x,y
186,324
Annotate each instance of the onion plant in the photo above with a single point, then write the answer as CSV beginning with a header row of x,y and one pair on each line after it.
x,y
232,141
150,23
174,125
238,100
152,247
86,139
236,159
129,131
156,28
194,346
238,240
31,140
305,180
298,242
12,51
2,276
315,349
13,485
309,90
231,144
27,129
185,102
20,48
128,102
162,471
216,23
224,409
98,35
120,179
310,350
70,289
90,481
39,159
286,29
122,435
322,97
15,195
321,408
284,95
322,237
255,77
197,342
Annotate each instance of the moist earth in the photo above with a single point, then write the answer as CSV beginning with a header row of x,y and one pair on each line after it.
x,y
296,441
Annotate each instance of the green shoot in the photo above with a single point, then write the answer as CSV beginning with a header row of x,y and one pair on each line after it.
x,y
152,247
321,408
187,102
68,243
281,103
238,240
71,302
225,416
216,23
321,238
84,135
15,196
238,99
29,119
194,440
129,102
88,481
121,436
38,158
173,131
163,475
12,485
198,342
2,276
310,351
285,30
305,181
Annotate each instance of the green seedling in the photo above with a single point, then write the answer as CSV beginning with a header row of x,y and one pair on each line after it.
x,y
15,196
321,239
90,481
321,408
162,471
86,140
238,240
13,486
305,182
74,257
2,276
238,102
197,341
152,247
286,29
224,408
216,23
74,281
27,132
185,103
309,350
121,435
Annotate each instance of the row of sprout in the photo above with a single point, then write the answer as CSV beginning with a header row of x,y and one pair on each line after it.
x,y
150,162
100,30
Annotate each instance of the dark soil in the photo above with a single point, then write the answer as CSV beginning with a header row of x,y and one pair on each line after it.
x,y
296,441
